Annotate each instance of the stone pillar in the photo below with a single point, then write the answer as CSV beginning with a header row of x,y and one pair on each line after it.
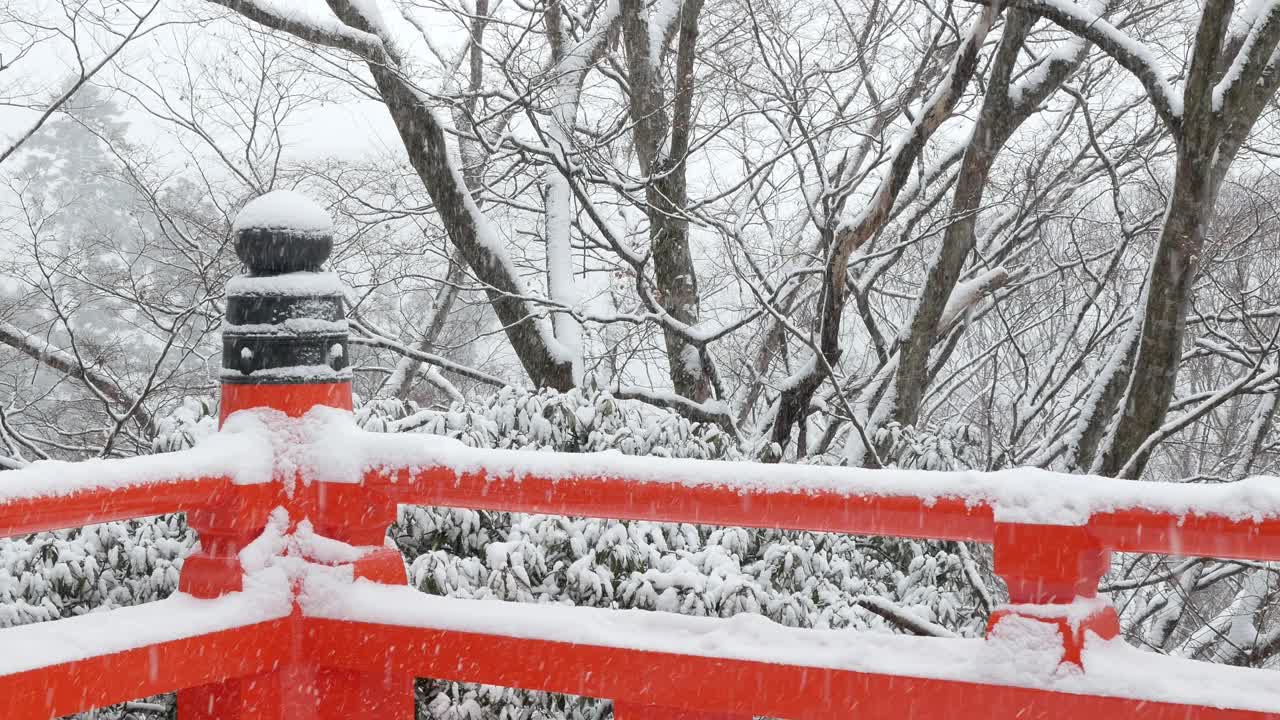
x,y
284,348
284,345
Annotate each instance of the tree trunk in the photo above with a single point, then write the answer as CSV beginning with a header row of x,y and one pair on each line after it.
x,y
794,398
661,146
468,229
1000,116
1173,269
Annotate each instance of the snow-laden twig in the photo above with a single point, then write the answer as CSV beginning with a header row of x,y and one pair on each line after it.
x,y
708,411
974,576
375,339
1130,53
902,617
295,19
68,364
86,74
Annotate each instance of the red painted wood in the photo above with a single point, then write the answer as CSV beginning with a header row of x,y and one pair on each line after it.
x,y
1190,535
632,711
621,498
226,523
306,669
297,687
56,512
1049,564
294,686
709,685
72,687
365,693
1127,530
293,400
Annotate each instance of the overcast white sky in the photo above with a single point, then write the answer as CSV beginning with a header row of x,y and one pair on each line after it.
x,y
347,129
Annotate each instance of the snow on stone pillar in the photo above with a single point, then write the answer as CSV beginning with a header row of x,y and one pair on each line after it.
x,y
284,344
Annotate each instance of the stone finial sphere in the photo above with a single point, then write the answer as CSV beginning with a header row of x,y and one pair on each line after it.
x,y
283,231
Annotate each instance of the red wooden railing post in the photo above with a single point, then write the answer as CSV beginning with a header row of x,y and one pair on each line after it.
x,y
1052,572
359,515
285,349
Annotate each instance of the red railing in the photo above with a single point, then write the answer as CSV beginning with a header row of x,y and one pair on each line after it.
x,y
305,614
357,646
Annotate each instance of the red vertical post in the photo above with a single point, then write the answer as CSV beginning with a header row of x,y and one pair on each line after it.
x,y
359,516
1052,572
284,348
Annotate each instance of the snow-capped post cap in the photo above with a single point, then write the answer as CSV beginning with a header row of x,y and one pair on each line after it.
x,y
283,231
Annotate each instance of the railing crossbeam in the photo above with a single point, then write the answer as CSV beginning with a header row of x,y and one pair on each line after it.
x,y
62,689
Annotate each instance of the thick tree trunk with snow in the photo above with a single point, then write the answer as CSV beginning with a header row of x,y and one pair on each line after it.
x,y
428,153
1154,375
1099,404
661,146
570,61
1000,116
404,377
424,140
1229,80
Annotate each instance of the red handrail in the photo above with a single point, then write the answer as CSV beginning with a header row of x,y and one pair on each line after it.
x,y
1042,563
39,513
1128,529
748,506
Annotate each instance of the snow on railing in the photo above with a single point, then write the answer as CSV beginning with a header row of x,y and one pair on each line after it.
x,y
294,607
51,495
1022,495
1024,654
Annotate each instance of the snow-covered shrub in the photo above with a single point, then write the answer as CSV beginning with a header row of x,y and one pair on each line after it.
x,y
950,449
72,572
61,574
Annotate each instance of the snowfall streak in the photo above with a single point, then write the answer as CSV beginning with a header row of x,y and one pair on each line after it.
x,y
293,608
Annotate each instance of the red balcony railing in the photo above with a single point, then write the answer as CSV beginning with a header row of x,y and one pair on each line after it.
x,y
293,608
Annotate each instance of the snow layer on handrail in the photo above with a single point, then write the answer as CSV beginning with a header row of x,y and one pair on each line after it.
x,y
340,452
242,452
1022,652
177,617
